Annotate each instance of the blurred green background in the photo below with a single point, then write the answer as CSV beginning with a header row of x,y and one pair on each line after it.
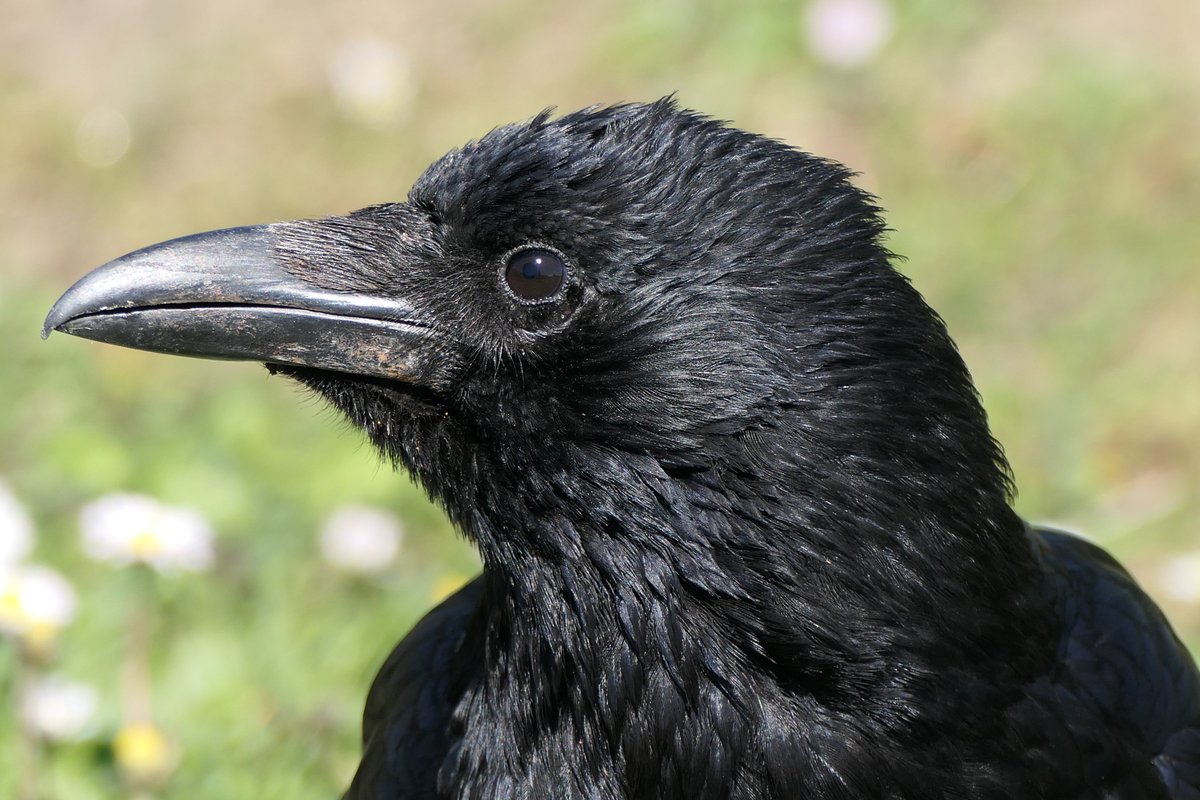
x,y
1040,164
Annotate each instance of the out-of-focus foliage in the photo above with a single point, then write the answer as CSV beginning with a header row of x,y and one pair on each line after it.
x,y
1040,163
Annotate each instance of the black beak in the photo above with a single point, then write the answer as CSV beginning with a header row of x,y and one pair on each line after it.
x,y
225,294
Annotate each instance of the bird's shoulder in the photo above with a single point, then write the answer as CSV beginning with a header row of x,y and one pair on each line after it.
x,y
407,716
1118,655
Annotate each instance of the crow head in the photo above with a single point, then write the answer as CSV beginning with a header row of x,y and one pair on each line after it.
x,y
628,328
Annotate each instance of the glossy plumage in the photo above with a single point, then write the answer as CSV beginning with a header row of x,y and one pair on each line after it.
x,y
745,531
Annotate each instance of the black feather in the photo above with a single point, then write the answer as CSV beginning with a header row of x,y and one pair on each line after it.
x,y
745,531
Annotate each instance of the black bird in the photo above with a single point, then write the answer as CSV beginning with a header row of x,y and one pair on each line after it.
x,y
744,529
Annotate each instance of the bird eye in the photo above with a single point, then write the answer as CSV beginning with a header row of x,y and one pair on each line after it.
x,y
535,274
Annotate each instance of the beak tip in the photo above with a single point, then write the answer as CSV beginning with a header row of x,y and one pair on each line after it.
x,y
56,320
50,325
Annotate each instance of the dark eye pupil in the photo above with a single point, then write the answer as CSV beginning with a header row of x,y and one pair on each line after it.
x,y
535,274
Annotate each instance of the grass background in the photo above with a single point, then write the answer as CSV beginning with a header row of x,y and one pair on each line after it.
x,y
1040,163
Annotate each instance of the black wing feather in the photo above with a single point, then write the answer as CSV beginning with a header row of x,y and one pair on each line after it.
x,y
1118,650
406,724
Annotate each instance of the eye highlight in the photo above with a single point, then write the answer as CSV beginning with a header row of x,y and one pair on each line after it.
x,y
535,275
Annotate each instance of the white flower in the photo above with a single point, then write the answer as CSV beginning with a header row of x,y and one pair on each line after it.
x,y
847,33
16,529
128,528
57,709
102,137
35,601
361,539
1180,578
372,80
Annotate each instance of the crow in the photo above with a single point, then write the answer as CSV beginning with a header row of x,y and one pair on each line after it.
x,y
745,532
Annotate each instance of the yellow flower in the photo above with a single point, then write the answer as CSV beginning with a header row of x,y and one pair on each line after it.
x,y
143,752
447,585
